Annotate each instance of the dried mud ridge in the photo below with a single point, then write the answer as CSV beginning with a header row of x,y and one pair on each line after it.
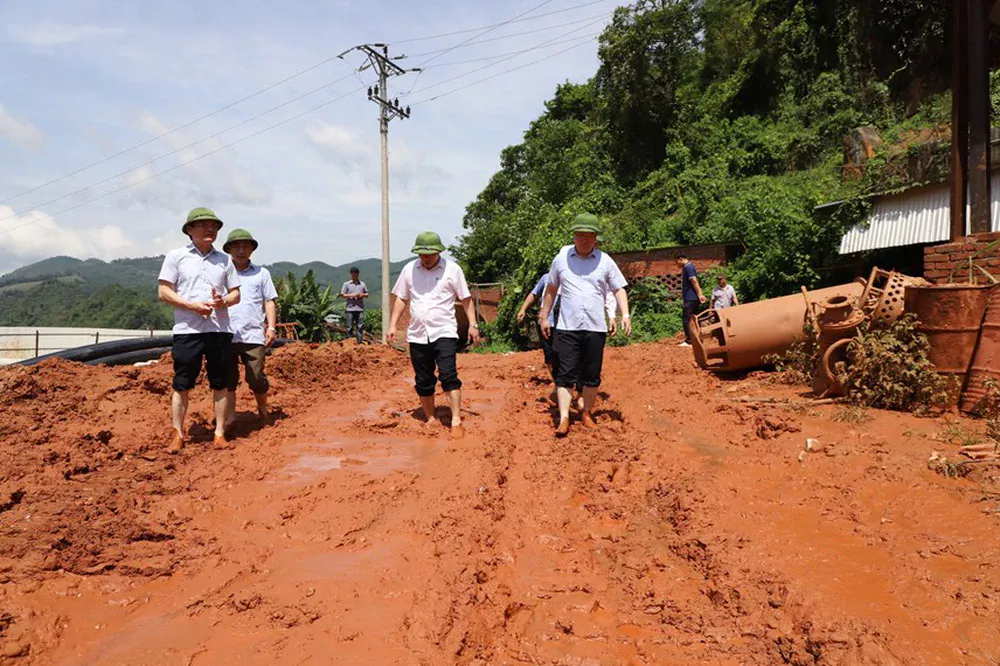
x,y
689,529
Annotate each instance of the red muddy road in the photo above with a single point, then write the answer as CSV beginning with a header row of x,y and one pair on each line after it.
x,y
685,531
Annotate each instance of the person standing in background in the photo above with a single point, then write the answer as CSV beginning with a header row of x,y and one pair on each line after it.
x,y
355,291
724,296
691,295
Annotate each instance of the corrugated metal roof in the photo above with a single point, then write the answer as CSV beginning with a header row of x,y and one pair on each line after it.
x,y
914,217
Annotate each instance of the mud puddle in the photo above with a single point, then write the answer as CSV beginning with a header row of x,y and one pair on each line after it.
x,y
375,456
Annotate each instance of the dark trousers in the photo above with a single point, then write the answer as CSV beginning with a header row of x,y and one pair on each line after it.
x,y
690,309
579,356
440,353
356,321
190,349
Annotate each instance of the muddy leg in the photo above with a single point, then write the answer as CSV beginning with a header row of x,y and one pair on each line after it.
x,y
427,403
179,408
221,399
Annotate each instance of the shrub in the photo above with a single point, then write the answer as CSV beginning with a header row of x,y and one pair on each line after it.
x,y
889,368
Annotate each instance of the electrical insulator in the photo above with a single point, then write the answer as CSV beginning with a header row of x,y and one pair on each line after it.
x,y
369,92
395,102
407,110
376,90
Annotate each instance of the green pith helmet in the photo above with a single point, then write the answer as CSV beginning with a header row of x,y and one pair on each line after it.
x,y
427,242
238,235
197,214
587,223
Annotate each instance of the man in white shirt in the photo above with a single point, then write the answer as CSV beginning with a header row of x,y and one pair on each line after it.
x,y
200,284
583,276
430,286
724,296
254,321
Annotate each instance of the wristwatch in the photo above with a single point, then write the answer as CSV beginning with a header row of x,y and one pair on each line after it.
x,y
475,326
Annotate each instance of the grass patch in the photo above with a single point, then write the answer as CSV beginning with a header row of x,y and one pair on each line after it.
x,y
853,415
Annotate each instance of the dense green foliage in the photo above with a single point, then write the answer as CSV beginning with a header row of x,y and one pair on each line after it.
x,y
710,121
308,304
60,303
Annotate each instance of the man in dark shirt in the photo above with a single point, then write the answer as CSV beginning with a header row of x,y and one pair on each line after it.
x,y
690,294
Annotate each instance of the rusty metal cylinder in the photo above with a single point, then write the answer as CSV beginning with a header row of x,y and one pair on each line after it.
x,y
837,318
986,360
951,316
741,337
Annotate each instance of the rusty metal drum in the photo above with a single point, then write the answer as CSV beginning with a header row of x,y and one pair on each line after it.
x,y
950,315
986,359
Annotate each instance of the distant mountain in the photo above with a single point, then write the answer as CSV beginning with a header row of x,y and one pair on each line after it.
x,y
63,291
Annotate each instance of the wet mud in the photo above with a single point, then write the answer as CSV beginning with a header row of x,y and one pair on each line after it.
x,y
694,526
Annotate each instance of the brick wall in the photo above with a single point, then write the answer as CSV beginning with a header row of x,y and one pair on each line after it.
x,y
940,260
661,264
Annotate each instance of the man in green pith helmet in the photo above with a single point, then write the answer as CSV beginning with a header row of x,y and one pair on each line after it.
x,y
430,286
200,284
582,275
254,321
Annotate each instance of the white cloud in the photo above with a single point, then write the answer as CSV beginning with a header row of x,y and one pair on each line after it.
x,y
56,34
20,132
410,170
202,171
35,235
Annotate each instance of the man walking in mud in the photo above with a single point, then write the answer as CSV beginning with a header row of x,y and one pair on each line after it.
x,y
691,295
200,284
582,275
254,323
355,291
430,286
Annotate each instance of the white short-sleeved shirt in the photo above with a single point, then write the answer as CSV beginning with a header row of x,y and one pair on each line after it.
x,y
723,297
193,276
584,284
247,317
432,295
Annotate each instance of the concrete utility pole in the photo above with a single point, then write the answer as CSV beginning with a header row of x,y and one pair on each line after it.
x,y
379,60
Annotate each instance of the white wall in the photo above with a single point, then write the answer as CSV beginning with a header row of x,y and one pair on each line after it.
x,y
18,342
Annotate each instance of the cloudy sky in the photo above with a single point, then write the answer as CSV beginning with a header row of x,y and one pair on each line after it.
x,y
99,156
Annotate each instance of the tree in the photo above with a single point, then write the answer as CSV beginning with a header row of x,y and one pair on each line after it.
x,y
305,303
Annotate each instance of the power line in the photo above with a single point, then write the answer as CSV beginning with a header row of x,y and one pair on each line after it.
x,y
513,55
483,30
182,149
498,74
510,54
486,32
519,34
508,22
173,130
193,159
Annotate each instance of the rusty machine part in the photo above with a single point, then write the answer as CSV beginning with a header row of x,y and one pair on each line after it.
x,y
836,318
740,337
884,297
951,316
986,360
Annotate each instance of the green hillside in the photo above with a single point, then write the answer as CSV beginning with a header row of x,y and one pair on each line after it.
x,y
720,121
63,291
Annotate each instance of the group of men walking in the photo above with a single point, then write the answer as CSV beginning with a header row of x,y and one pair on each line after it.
x,y
225,316
585,280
